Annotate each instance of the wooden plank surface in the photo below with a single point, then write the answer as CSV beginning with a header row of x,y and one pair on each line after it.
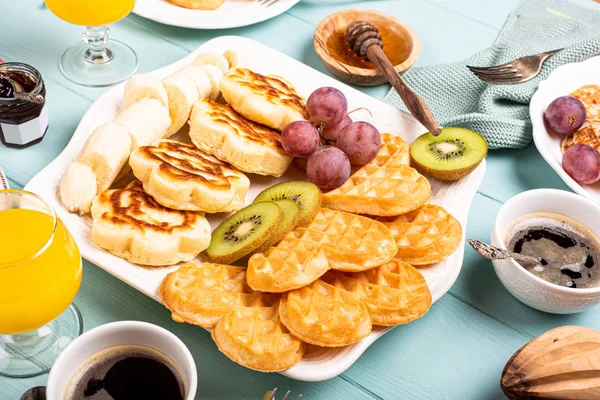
x,y
456,351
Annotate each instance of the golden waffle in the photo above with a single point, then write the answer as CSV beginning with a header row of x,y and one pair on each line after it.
x,y
255,338
393,152
325,315
268,100
589,133
395,293
181,177
201,293
132,225
333,240
382,191
218,130
426,236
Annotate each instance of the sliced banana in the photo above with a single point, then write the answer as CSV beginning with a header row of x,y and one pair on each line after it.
x,y
78,188
106,152
215,76
236,60
182,96
200,78
211,58
144,86
145,120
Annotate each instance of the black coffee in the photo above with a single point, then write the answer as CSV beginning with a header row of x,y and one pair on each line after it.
x,y
127,372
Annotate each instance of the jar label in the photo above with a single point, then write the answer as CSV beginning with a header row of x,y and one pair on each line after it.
x,y
26,132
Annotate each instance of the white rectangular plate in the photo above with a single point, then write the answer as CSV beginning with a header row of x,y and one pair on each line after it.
x,y
456,197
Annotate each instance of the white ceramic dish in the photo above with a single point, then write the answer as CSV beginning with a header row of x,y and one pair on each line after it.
x,y
232,14
528,288
561,82
455,197
117,334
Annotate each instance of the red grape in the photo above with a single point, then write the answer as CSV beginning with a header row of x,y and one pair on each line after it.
x,y
332,132
582,163
300,139
565,115
327,105
360,141
328,168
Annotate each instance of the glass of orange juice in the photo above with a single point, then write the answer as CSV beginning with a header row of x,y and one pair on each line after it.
x,y
40,274
94,62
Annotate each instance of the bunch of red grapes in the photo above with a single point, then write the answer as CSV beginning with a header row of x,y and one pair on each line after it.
x,y
565,116
356,143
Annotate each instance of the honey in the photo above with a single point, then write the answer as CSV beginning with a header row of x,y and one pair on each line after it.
x,y
395,46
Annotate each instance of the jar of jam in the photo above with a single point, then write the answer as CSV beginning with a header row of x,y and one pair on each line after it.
x,y
22,122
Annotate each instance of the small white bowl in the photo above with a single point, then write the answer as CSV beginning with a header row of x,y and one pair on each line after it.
x,y
531,290
116,334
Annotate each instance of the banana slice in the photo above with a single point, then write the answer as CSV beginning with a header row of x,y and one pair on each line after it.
x,y
182,96
211,58
215,76
145,120
144,86
78,188
200,78
236,60
106,152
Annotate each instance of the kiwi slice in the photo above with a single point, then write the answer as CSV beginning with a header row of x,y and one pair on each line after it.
x,y
243,232
305,194
291,216
451,155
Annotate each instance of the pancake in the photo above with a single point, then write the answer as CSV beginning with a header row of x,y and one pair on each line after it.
x,y
218,130
130,224
181,177
268,100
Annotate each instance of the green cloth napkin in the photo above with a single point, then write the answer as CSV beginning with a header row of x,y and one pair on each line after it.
x,y
501,112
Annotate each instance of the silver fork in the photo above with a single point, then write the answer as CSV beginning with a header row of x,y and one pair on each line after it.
x,y
267,3
517,71
270,395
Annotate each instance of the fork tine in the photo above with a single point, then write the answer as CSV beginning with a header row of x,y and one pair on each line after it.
x,y
273,392
287,394
499,68
299,397
495,71
510,74
505,81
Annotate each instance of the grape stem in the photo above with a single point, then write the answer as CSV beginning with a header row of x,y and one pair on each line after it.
x,y
361,108
324,141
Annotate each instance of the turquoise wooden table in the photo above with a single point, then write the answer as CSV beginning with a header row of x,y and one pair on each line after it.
x,y
457,351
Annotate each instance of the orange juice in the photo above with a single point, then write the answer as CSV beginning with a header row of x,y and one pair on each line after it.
x,y
39,273
90,12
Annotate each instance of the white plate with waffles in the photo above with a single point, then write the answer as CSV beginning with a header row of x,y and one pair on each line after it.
x,y
456,197
232,14
563,81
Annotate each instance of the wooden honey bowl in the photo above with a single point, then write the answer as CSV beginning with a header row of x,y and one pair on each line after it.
x,y
400,44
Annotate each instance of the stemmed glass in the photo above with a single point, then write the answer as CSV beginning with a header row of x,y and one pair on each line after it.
x,y
40,274
95,61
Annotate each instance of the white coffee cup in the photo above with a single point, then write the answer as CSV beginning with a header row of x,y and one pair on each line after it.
x,y
116,334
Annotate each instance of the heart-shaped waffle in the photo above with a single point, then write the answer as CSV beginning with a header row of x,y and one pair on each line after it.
x,y
394,151
325,315
382,191
333,240
200,293
395,293
255,338
426,236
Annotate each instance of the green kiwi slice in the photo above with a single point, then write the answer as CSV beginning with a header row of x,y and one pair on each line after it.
x,y
305,194
291,216
243,232
451,155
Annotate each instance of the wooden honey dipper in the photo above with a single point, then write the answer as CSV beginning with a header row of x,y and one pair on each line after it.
x,y
364,39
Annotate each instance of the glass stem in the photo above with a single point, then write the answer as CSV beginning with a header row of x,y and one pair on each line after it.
x,y
96,38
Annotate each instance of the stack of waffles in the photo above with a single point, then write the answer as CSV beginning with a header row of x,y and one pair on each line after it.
x,y
327,283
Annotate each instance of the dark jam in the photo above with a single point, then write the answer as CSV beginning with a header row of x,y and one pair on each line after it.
x,y
569,251
127,373
22,122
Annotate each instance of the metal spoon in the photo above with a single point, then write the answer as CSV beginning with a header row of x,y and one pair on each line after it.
x,y
18,94
496,253
35,393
